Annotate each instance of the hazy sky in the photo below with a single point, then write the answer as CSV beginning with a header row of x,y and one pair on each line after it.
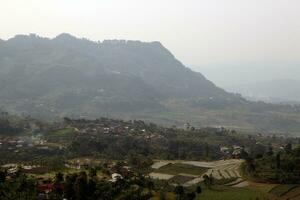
x,y
207,35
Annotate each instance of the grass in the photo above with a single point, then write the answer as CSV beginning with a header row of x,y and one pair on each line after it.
x,y
179,179
167,196
63,132
179,168
222,193
280,190
229,193
224,181
262,187
292,194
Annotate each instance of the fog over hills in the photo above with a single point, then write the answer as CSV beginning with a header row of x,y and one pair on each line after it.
x,y
276,83
274,91
68,76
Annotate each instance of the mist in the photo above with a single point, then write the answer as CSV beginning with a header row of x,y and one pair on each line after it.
x,y
232,42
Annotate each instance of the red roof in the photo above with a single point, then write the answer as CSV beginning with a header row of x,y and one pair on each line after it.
x,y
49,186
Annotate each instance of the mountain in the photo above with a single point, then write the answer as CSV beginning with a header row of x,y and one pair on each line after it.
x,y
66,72
68,76
274,91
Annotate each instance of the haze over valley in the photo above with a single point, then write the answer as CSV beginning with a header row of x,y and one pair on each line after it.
x,y
150,100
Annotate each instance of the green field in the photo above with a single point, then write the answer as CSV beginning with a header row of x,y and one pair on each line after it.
x,y
282,189
230,193
62,132
223,193
179,168
179,179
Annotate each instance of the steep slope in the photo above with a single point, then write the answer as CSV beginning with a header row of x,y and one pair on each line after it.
x,y
70,75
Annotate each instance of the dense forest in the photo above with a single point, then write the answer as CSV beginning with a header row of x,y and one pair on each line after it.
x,y
280,166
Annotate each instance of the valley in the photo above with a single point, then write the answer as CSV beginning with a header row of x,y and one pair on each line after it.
x,y
156,160
150,100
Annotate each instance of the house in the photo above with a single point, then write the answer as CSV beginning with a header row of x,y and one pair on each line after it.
x,y
224,150
115,177
12,171
236,147
237,151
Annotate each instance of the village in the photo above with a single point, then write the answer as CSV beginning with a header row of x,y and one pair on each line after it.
x,y
118,152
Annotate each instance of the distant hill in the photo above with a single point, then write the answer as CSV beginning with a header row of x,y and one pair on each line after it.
x,y
274,91
69,73
67,76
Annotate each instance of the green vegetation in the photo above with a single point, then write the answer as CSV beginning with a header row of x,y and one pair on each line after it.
x,y
68,76
76,146
179,168
280,190
229,193
19,188
281,167
180,179
224,181
62,132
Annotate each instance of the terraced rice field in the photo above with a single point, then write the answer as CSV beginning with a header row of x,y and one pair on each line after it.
x,y
229,193
181,168
181,179
223,169
284,192
160,176
293,194
281,190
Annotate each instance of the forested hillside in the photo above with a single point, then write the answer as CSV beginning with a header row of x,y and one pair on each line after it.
x,y
67,76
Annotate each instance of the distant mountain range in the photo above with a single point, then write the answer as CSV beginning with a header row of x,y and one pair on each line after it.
x,y
273,91
67,76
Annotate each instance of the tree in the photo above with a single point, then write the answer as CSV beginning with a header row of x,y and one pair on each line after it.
x,y
92,186
81,186
278,161
191,196
211,179
92,172
59,177
162,195
199,189
69,186
288,148
179,191
20,187
2,176
207,150
58,190
270,150
207,180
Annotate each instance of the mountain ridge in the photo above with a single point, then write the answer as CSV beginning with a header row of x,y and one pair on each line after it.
x,y
67,76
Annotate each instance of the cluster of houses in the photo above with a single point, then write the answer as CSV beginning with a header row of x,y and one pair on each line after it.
x,y
233,151
46,186
12,169
17,143
110,126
